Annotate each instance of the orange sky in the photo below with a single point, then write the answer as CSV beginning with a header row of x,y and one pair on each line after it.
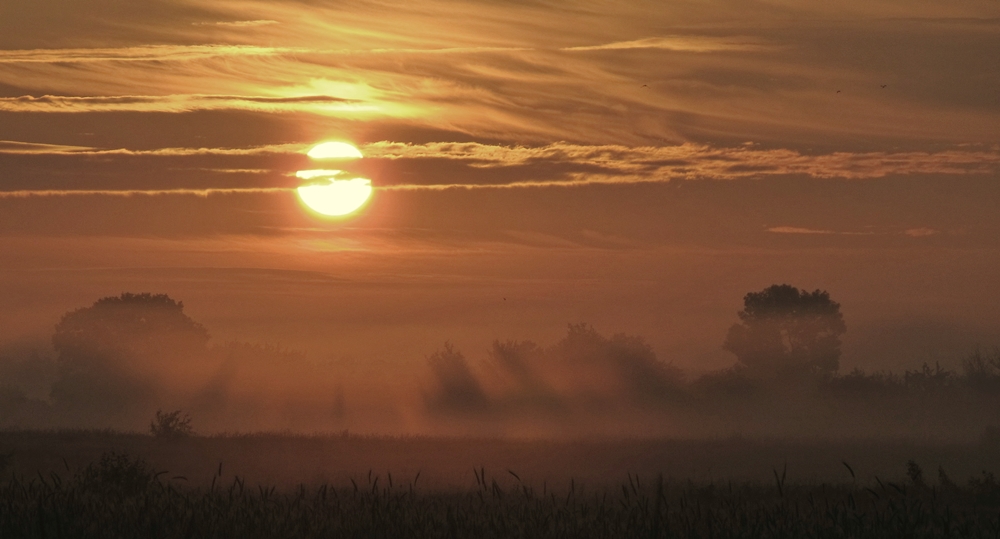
x,y
639,166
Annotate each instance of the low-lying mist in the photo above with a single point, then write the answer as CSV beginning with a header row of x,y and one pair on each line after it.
x,y
117,362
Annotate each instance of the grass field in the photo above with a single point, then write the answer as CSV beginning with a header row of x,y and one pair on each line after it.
x,y
110,484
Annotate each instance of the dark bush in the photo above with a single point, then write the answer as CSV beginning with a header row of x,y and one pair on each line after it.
x,y
171,425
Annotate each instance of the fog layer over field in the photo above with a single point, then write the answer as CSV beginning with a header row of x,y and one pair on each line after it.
x,y
115,363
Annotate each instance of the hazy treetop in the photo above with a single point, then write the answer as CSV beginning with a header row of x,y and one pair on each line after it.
x,y
120,321
785,329
786,301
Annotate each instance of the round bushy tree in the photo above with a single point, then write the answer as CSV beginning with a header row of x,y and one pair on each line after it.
x,y
783,329
107,352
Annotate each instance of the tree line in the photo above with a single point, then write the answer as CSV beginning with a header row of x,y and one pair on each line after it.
x,y
113,352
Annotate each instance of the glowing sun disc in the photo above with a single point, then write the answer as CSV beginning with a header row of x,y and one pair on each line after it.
x,y
336,197
334,150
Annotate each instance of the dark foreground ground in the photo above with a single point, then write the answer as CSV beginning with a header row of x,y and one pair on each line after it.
x,y
104,484
286,460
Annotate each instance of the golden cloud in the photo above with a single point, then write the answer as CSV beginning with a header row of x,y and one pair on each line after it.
x,y
142,192
184,103
681,44
697,161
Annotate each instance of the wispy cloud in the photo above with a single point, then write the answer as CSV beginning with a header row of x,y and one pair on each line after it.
x,y
183,103
237,24
797,230
141,192
16,147
33,193
571,165
698,161
146,53
577,180
681,44
34,148
922,232
526,74
232,170
187,53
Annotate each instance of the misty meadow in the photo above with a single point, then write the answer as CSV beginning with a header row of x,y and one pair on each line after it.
x,y
115,363
473,268
591,436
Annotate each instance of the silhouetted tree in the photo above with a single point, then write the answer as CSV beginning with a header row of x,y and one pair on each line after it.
x,y
458,389
106,351
927,378
174,424
517,359
785,330
982,369
583,368
624,363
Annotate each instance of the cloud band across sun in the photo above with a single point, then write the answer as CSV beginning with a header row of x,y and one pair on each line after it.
x,y
487,166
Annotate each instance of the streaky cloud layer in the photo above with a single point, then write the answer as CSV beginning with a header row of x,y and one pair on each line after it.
x,y
679,43
16,147
693,161
184,103
145,53
718,72
140,192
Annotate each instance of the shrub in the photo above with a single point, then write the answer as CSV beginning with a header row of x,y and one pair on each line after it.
x,y
171,425
915,474
116,475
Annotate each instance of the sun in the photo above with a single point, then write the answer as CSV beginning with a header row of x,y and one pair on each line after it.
x,y
334,150
333,193
329,194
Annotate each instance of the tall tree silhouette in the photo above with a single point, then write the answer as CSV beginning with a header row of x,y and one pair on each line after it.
x,y
108,352
785,330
